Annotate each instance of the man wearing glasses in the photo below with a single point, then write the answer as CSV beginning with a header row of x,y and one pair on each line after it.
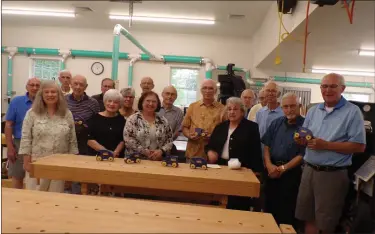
x,y
13,128
107,84
257,107
338,132
272,111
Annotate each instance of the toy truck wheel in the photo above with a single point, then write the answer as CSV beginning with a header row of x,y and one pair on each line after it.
x,y
128,160
296,135
137,160
164,163
111,159
204,167
192,166
98,158
174,165
308,137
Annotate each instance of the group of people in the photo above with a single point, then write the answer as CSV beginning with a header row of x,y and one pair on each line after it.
x,y
304,180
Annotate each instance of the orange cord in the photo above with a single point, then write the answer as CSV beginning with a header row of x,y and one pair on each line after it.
x,y
306,34
351,11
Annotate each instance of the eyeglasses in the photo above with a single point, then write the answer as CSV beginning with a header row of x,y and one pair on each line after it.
x,y
271,91
34,85
107,86
332,86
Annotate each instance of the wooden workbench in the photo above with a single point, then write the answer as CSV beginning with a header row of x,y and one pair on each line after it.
x,y
147,174
43,212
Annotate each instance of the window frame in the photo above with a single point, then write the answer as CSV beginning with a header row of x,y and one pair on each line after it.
x,y
358,93
198,69
32,62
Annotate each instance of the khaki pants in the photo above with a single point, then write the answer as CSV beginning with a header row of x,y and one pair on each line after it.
x,y
44,184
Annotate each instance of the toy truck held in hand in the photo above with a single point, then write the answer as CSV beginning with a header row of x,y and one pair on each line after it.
x,y
105,155
303,134
198,163
132,158
200,132
170,161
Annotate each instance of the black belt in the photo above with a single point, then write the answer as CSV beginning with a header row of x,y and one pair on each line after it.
x,y
325,168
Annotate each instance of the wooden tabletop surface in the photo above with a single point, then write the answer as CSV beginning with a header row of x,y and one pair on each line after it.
x,y
43,212
147,174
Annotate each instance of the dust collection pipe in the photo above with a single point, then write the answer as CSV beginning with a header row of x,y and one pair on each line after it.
x,y
134,58
12,51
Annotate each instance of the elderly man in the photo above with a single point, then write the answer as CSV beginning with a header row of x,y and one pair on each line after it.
x,y
272,111
338,132
248,97
204,114
147,84
65,78
257,107
282,157
172,113
13,128
107,83
83,108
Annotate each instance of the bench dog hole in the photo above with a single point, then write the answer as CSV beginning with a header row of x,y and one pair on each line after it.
x,y
219,221
56,205
136,213
116,211
262,225
18,228
42,230
96,209
177,217
198,219
76,207
156,215
240,223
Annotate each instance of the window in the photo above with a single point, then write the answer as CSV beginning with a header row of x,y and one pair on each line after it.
x,y
359,97
45,69
185,81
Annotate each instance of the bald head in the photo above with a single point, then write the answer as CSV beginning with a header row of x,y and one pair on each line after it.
x,y
248,97
147,84
169,95
32,87
208,90
79,85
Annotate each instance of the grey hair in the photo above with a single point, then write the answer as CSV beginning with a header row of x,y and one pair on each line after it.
x,y
114,95
127,92
277,87
290,95
248,90
340,77
39,107
63,71
235,101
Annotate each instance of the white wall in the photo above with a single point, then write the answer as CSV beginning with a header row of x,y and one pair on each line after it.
x,y
221,49
315,88
266,38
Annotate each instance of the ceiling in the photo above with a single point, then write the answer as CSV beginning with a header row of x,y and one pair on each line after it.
x,y
254,12
333,42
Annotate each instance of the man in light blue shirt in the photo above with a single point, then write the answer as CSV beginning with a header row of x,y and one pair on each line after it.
x,y
272,111
13,129
338,132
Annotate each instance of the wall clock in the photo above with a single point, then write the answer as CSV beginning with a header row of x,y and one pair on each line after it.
x,y
97,68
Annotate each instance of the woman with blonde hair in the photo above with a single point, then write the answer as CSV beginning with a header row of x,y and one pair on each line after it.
x,y
48,128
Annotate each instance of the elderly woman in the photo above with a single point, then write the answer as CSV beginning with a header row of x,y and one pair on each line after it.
x,y
127,108
146,132
48,128
238,138
106,128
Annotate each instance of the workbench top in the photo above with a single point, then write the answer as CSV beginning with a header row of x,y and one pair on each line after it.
x,y
37,212
147,174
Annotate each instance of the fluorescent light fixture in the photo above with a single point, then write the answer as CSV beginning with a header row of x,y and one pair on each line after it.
x,y
163,19
343,72
38,13
366,53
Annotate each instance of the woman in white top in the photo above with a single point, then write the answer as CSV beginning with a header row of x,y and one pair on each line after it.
x,y
238,138
48,128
